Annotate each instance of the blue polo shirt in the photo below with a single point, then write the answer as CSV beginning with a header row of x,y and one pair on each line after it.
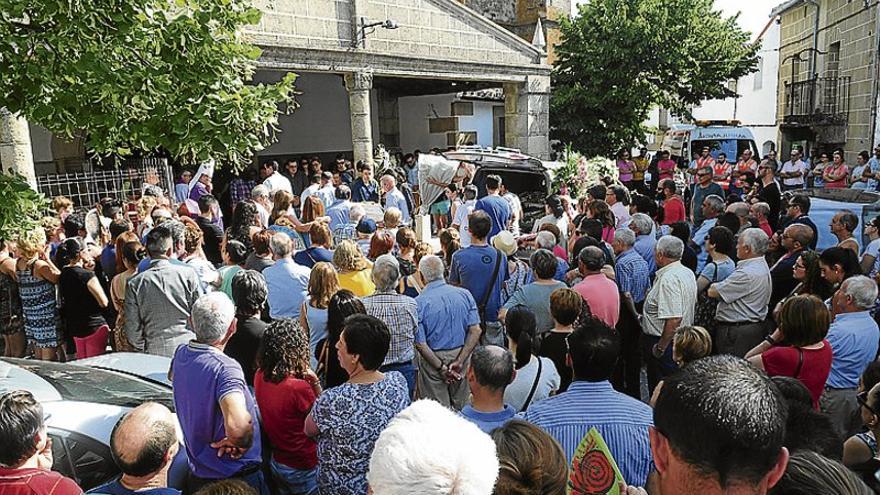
x,y
498,210
645,247
854,338
472,269
287,283
445,314
339,213
488,421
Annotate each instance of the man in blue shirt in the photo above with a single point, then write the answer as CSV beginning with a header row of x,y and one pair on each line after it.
x,y
287,281
704,188
394,198
143,443
491,371
365,188
874,165
495,206
449,329
339,210
472,268
591,402
643,227
853,337
712,206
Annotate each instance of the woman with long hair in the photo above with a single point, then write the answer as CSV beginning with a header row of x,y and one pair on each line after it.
x,y
282,207
11,324
245,223
353,269
412,285
342,305
601,211
37,276
555,215
808,273
285,389
381,243
797,348
82,299
536,377
129,252
323,283
450,242
406,245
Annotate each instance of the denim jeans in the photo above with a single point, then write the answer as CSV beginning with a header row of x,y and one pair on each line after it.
x,y
291,481
408,370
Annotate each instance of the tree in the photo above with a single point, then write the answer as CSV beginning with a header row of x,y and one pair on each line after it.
x,y
21,208
141,75
621,58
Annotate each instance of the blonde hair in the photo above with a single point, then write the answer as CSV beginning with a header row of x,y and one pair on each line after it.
x,y
392,217
31,244
281,202
60,202
422,249
348,257
690,344
323,283
145,206
50,226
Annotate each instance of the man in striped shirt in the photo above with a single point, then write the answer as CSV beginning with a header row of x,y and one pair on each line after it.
x,y
590,401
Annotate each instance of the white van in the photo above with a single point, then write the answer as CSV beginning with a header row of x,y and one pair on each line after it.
x,y
726,136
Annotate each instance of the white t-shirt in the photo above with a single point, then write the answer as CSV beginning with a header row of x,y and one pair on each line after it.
x,y
797,166
873,248
515,211
461,219
277,182
516,393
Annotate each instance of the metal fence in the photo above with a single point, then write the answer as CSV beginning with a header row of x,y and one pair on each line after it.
x,y
125,183
821,100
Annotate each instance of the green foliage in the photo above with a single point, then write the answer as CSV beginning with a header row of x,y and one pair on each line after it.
x,y
141,74
621,58
21,208
577,173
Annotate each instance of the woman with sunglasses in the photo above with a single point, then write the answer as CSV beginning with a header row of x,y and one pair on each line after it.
x,y
862,447
871,257
797,348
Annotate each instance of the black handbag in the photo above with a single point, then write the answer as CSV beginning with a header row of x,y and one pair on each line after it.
x,y
704,311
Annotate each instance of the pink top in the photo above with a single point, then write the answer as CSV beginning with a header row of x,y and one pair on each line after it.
x,y
841,169
625,168
665,169
810,366
602,297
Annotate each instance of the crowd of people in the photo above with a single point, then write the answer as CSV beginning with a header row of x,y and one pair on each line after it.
x,y
318,346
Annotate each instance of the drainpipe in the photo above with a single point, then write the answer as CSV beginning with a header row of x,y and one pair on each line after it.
x,y
875,88
815,40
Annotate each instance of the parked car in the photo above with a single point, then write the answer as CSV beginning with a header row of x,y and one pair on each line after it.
x,y
82,404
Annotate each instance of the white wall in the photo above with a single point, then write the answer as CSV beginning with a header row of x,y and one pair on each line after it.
x,y
321,123
416,110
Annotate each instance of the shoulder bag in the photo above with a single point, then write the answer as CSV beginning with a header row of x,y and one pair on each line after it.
x,y
704,312
482,307
534,387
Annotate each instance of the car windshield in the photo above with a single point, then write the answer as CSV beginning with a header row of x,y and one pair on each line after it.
x,y
84,384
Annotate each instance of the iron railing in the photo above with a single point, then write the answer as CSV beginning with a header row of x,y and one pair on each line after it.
x,y
821,100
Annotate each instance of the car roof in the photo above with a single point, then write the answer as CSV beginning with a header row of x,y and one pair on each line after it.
x,y
14,377
149,366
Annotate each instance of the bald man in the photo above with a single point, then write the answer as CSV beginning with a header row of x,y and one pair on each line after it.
x,y
143,445
795,239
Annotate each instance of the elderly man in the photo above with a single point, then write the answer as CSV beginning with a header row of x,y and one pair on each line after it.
x,y
260,197
793,172
429,450
702,190
633,281
26,458
795,239
743,297
490,373
843,224
158,301
216,410
546,240
599,292
712,207
719,428
286,280
348,230
449,329
616,197
761,212
668,305
741,210
591,402
853,337
482,270
340,211
630,270
143,443
399,313
394,198
643,227
536,295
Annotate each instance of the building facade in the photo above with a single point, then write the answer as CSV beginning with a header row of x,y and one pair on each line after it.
x,y
828,75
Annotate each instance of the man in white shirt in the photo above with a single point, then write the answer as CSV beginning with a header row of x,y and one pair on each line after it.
x,y
327,192
516,211
793,171
314,187
273,180
394,198
460,221
615,196
260,196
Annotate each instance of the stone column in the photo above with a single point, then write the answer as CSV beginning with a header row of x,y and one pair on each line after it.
x,y
527,116
16,155
359,85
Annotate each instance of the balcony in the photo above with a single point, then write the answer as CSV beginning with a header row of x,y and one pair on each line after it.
x,y
818,101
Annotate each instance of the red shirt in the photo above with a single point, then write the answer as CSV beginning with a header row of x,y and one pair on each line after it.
x,y
33,481
665,169
602,297
783,361
673,210
284,407
765,226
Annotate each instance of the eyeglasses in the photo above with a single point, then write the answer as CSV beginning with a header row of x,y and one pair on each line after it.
x,y
862,399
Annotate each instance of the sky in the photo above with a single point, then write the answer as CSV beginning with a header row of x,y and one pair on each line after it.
x,y
754,13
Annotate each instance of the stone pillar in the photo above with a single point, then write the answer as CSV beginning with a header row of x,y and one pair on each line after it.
x,y
527,116
359,85
16,155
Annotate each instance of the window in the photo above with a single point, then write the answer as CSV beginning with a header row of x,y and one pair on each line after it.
x,y
81,458
759,75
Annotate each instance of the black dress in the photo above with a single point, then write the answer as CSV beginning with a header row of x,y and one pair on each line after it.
x,y
553,346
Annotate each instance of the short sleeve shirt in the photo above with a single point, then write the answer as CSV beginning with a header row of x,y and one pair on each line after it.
x,y
498,210
873,249
673,295
717,271
745,294
472,269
